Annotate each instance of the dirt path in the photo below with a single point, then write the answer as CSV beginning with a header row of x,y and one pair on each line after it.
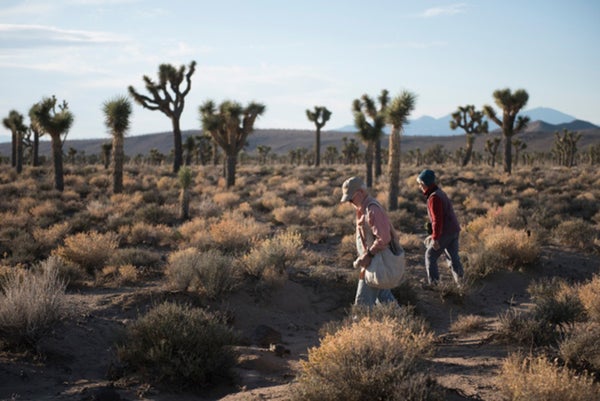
x,y
78,354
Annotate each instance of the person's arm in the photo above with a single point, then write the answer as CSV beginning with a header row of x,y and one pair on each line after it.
x,y
436,209
382,231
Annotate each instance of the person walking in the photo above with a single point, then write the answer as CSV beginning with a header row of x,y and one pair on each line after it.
x,y
374,233
445,230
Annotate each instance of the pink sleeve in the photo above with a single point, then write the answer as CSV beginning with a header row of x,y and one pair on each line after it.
x,y
382,230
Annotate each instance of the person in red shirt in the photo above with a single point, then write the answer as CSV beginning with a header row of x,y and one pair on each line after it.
x,y
373,235
444,229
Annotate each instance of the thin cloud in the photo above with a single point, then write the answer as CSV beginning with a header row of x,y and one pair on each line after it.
x,y
452,9
35,36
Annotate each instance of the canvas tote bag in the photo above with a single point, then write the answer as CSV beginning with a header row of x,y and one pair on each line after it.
x,y
387,267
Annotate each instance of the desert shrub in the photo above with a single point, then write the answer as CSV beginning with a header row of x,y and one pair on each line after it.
x,y
268,261
121,275
226,200
209,272
155,214
346,251
589,294
575,233
90,251
46,213
179,346
370,359
141,233
100,182
270,201
501,248
235,232
536,378
465,324
49,238
139,257
556,307
524,329
289,215
31,302
580,349
320,215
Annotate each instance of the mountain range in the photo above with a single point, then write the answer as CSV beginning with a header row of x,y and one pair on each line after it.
x,y
421,133
430,126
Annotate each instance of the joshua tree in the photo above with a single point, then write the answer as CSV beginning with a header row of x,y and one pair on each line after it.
x,y
171,104
511,123
470,120
116,118
491,146
565,147
190,148
14,122
57,124
519,146
106,150
319,116
37,133
185,181
370,132
397,115
230,126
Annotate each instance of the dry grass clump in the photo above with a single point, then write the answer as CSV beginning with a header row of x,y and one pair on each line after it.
x,y
320,215
580,349
49,238
226,200
120,275
537,379
589,294
141,233
557,307
210,273
500,248
268,261
373,358
31,302
270,201
90,250
289,215
466,324
575,233
179,346
235,232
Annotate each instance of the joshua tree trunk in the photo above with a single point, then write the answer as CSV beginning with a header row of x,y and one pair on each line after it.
x,y
469,149
118,158
57,156
369,163
394,168
230,170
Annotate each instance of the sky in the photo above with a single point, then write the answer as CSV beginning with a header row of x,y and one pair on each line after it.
x,y
295,55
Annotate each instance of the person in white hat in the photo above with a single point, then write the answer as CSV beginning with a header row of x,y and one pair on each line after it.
x,y
374,234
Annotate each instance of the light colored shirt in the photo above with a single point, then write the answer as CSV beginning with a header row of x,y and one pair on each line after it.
x,y
372,212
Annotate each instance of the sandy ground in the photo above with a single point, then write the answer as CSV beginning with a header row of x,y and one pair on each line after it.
x,y
77,357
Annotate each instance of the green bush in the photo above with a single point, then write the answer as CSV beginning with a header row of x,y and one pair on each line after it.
x,y
179,346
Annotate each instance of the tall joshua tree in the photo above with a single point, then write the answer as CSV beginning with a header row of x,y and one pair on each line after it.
x,y
116,118
470,120
14,122
37,133
56,121
171,103
397,115
319,116
230,125
370,132
511,124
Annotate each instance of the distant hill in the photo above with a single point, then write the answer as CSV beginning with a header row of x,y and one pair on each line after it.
x,y
539,136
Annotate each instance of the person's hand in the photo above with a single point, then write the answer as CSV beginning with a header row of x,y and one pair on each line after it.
x,y
436,245
362,261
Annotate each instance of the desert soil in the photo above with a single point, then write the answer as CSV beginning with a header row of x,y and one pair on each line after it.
x,y
75,360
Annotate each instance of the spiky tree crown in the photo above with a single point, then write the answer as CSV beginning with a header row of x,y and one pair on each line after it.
x,y
116,114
